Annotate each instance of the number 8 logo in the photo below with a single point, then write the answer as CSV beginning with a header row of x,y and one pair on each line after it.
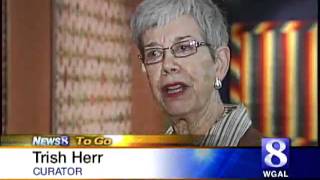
x,y
276,152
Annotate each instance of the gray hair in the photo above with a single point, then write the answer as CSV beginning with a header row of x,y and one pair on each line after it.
x,y
157,13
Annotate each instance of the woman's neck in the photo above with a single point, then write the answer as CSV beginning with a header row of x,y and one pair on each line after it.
x,y
199,123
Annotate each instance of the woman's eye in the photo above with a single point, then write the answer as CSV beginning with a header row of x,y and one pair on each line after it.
x,y
184,47
154,53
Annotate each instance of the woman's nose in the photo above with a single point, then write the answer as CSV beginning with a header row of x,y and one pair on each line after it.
x,y
169,64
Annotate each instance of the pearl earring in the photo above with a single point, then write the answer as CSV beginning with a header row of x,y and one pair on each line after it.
x,y
217,84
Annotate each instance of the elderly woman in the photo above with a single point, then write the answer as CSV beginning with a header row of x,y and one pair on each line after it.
x,y
183,46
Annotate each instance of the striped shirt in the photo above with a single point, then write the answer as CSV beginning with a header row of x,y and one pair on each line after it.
x,y
228,130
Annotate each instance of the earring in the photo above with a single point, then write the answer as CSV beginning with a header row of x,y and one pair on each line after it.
x,y
217,84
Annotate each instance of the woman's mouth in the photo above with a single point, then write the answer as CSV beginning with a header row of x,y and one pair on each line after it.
x,y
174,89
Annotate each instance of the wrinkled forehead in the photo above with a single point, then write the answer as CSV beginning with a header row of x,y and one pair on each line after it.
x,y
175,30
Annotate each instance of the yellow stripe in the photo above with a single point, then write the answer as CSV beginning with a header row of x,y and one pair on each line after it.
x,y
290,30
291,82
262,27
236,40
289,26
235,94
246,70
235,97
298,141
314,89
267,82
235,69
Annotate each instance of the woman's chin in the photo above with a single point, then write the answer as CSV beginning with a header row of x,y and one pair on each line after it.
x,y
177,109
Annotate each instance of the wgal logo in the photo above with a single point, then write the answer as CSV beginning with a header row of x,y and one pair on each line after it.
x,y
275,157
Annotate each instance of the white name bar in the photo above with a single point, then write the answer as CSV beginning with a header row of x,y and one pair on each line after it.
x,y
79,163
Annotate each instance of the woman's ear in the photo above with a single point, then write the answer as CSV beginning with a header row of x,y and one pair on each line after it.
x,y
222,60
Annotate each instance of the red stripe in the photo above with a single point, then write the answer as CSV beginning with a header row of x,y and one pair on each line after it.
x,y
235,88
236,61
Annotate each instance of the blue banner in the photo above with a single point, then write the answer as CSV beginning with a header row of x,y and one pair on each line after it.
x,y
236,163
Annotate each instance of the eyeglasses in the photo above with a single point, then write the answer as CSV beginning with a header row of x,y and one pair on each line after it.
x,y
178,50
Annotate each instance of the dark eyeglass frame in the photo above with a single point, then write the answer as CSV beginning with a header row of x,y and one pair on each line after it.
x,y
194,43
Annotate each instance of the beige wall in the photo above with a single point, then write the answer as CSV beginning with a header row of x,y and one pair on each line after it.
x,y
29,74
